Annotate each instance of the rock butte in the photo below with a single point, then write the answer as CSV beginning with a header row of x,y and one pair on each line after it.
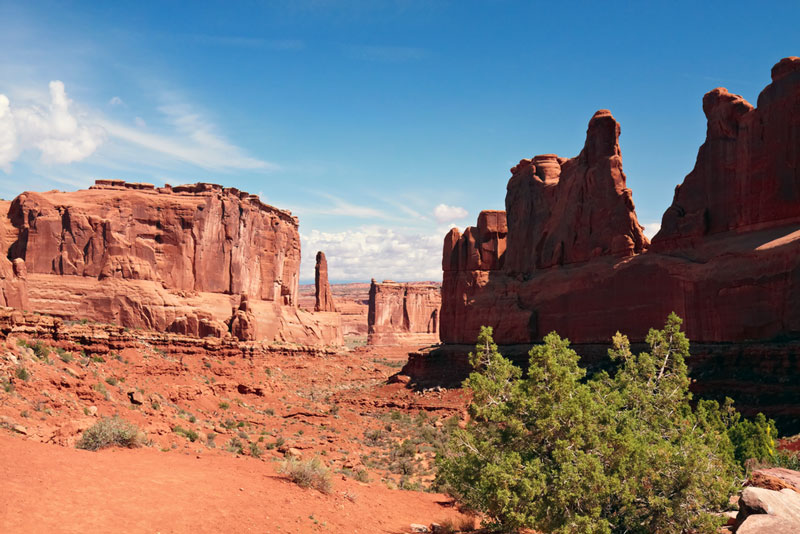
x,y
323,295
403,313
198,260
569,255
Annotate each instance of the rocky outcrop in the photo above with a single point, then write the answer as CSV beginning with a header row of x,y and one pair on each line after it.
x,y
323,295
174,259
243,321
403,313
747,175
201,237
573,258
563,211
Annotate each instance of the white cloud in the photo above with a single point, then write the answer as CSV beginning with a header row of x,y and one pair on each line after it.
x,y
116,101
138,121
196,142
60,135
444,213
9,149
651,229
374,252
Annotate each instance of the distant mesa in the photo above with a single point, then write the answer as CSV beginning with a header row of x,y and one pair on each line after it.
x,y
403,313
198,259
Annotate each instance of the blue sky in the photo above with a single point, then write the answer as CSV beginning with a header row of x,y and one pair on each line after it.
x,y
378,123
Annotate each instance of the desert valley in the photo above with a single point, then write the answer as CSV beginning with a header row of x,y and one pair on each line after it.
x,y
167,366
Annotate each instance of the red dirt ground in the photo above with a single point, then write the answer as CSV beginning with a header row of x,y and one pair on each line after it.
x,y
338,407
48,488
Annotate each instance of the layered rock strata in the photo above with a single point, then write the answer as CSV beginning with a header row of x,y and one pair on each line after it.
x,y
403,313
175,259
323,295
571,255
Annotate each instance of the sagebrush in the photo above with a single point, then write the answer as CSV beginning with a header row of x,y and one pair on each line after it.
x,y
109,432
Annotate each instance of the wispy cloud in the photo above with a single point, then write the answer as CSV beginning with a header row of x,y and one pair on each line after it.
x,y
64,133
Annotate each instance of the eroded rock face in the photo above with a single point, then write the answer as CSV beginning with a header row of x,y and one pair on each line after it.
x,y
323,295
403,313
563,211
166,259
747,174
573,258
200,237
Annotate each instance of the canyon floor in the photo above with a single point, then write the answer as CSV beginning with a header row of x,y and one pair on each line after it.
x,y
218,429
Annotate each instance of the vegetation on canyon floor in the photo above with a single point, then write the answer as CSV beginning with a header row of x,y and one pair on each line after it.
x,y
617,452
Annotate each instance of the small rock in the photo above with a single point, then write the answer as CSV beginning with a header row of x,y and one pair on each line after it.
x,y
293,452
415,527
92,410
19,429
136,396
73,373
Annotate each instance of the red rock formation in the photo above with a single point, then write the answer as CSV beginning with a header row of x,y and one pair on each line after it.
x,y
324,297
167,259
401,314
564,211
747,174
727,258
243,322
198,238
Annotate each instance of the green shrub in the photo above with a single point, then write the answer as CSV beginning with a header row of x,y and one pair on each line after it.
x,y
255,450
308,474
235,446
22,373
65,356
189,434
361,475
109,432
558,452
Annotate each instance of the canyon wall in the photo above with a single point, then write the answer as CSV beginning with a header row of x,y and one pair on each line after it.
x,y
192,260
569,255
403,313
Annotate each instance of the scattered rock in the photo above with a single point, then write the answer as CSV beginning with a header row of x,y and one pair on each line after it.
x,y
416,527
92,410
293,452
136,397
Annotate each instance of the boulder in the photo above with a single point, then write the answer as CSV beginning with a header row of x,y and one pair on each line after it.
x,y
775,478
783,504
767,524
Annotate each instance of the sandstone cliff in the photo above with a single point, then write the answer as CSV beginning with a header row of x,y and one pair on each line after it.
x,y
169,259
403,314
571,256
